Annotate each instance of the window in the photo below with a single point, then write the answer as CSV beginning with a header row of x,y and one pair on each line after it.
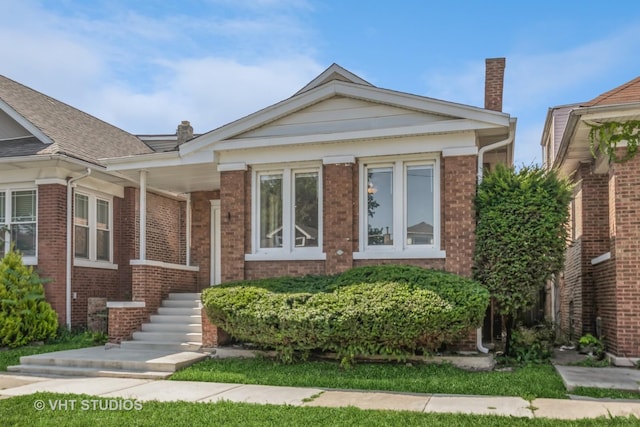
x,y
400,209
92,228
287,215
18,222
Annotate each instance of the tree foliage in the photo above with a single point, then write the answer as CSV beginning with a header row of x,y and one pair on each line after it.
x,y
25,316
521,235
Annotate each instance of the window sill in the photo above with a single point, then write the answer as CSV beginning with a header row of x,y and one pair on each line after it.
x,y
406,254
94,264
286,256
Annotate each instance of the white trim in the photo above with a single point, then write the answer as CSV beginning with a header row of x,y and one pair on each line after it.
x,y
92,226
86,263
215,255
335,160
428,253
602,258
46,181
168,265
228,167
8,222
459,151
288,249
142,239
156,160
284,256
30,260
22,121
439,127
399,249
477,117
126,304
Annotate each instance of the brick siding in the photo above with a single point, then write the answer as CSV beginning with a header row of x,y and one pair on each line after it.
x,y
152,284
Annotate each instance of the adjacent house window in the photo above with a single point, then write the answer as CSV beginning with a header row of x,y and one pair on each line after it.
x,y
400,208
287,215
18,222
92,228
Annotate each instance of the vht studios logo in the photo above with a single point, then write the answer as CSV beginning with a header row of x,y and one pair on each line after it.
x,y
87,405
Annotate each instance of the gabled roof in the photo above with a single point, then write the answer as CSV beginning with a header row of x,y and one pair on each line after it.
x,y
623,94
334,72
60,129
335,81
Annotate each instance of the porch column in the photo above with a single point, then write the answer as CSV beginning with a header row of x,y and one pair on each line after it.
x,y
188,230
143,215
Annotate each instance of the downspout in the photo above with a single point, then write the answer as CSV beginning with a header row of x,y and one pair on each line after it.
x,y
70,183
490,147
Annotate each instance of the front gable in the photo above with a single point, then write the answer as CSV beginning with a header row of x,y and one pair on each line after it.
x,y
339,111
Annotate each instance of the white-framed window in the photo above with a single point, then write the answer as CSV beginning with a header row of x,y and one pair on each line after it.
x,y
18,222
286,212
93,229
400,208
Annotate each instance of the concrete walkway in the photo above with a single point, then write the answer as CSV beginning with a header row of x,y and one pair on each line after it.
x,y
146,390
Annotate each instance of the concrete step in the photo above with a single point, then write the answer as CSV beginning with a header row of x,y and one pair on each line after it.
x,y
172,327
168,337
175,311
160,345
63,371
168,318
184,296
181,303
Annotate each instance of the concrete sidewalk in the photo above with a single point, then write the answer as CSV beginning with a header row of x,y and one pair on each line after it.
x,y
147,390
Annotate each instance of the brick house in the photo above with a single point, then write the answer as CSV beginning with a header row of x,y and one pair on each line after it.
x,y
341,174
599,290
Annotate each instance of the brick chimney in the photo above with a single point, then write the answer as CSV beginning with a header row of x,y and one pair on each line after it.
x,y
184,132
493,83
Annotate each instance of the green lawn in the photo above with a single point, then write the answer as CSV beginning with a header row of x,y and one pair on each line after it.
x,y
68,341
528,382
20,411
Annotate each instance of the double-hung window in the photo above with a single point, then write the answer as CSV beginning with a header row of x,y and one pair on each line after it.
x,y
93,223
18,223
400,209
286,211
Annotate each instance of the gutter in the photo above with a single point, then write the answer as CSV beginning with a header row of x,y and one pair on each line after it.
x,y
490,147
70,184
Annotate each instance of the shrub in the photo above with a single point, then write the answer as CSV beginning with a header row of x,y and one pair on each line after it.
x,y
25,316
381,310
532,345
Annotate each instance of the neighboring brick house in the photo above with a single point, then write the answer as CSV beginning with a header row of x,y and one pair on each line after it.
x,y
341,174
71,219
599,290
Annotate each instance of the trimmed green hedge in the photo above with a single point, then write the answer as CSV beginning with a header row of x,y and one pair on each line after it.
x,y
390,310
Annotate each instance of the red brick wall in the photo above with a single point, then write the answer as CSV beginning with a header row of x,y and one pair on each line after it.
x,y
263,269
233,222
604,275
458,212
339,193
128,246
212,336
52,245
165,229
124,321
152,284
626,251
94,282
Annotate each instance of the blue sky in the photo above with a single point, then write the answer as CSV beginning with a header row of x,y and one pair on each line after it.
x,y
146,65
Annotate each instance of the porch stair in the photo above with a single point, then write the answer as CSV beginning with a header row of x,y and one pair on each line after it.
x,y
177,326
170,341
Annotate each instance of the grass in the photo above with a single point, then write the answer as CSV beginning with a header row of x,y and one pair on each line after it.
x,y
528,382
605,393
20,411
64,341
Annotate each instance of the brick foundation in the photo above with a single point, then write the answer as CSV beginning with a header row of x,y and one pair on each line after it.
x,y
124,320
212,336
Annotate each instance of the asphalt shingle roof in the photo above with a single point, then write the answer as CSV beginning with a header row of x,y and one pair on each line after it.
x,y
73,132
623,94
